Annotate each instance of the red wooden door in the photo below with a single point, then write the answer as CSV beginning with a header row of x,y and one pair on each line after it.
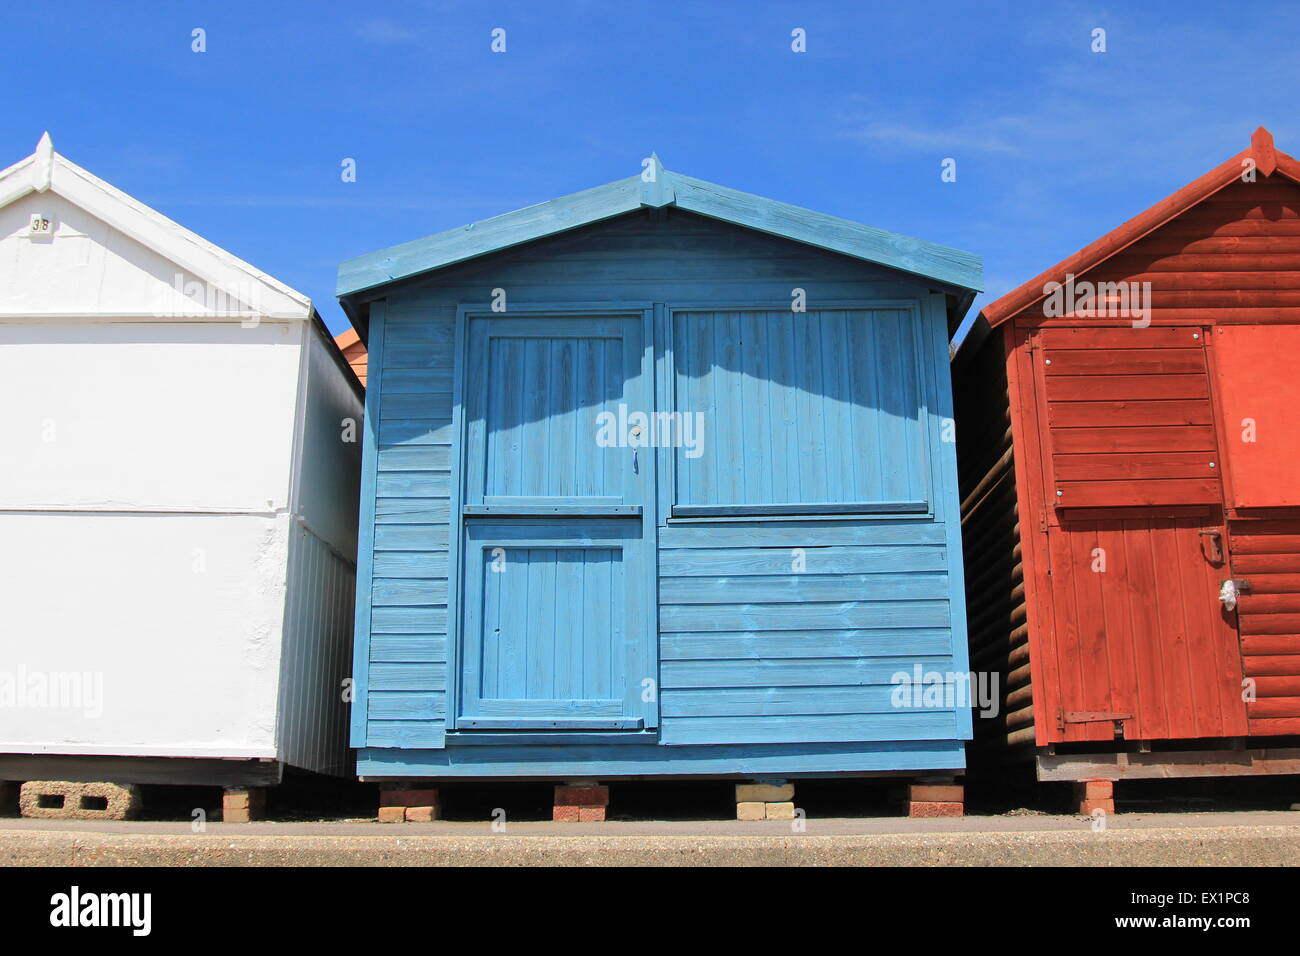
x,y
1140,644
1141,638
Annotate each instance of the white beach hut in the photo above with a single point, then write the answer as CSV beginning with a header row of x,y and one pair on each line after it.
x,y
178,503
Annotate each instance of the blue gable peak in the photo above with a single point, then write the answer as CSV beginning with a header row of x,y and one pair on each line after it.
x,y
656,187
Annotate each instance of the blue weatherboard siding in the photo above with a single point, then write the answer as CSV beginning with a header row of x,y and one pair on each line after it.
x,y
770,635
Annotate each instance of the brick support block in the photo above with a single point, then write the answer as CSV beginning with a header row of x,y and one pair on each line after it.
x,y
580,803
751,810
936,793
935,808
392,814
1093,795
764,792
419,814
409,798
64,800
570,796
241,805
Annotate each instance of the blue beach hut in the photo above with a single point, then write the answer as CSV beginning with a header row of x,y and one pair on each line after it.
x,y
659,480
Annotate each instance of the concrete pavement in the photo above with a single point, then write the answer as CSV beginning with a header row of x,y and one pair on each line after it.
x,y
1129,839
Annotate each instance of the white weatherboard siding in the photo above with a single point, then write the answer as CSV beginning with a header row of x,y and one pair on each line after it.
x,y
170,438
178,617
147,416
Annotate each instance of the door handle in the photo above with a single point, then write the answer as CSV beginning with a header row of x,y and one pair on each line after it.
x,y
1216,544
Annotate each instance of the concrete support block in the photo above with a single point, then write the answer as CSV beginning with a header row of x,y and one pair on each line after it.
x,y
764,792
780,811
764,801
8,799
64,800
243,804
1091,795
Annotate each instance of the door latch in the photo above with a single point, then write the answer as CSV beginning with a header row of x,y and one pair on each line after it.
x,y
1216,544
1231,590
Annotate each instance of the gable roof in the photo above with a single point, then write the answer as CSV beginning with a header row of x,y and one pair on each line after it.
x,y
48,171
1267,159
657,187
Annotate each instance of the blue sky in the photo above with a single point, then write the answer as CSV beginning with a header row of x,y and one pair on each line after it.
x,y
1055,144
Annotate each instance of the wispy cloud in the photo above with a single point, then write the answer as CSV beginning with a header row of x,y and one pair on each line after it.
x,y
387,32
341,202
999,135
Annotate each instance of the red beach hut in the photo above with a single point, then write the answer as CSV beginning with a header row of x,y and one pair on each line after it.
x,y
1129,438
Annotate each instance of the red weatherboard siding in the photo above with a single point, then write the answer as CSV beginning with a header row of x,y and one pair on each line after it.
x,y
1267,553
1125,423
354,350
1235,257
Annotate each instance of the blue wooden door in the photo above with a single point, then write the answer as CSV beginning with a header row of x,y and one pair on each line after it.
x,y
557,610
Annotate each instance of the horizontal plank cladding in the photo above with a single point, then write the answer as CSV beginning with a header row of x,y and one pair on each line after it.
x,y
406,701
1128,417
1232,258
1266,553
991,546
772,633
791,633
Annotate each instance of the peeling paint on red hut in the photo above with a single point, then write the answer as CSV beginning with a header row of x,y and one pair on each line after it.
x,y
1128,441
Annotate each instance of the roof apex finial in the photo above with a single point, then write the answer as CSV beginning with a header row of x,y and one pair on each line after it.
x,y
656,189
43,167
1261,148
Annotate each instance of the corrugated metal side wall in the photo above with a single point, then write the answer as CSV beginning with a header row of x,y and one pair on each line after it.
x,y
995,578
316,653
321,576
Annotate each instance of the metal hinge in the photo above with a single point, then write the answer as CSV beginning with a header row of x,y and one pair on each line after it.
x,y
1092,716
